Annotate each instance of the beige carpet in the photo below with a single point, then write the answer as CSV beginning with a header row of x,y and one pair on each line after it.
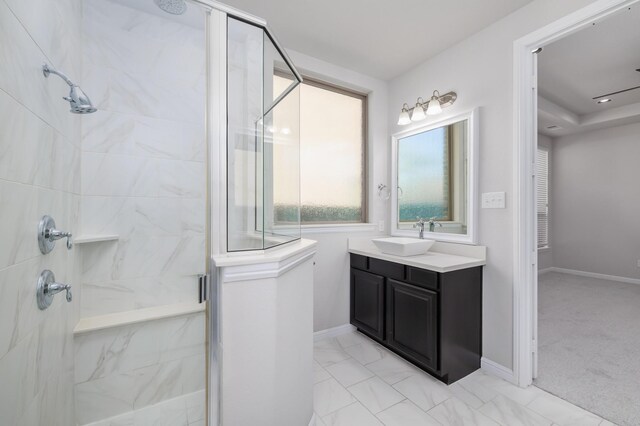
x,y
589,344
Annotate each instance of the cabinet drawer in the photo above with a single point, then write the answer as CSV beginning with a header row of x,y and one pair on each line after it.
x,y
422,278
387,269
360,262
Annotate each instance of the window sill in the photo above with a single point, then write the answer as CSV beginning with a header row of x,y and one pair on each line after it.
x,y
326,228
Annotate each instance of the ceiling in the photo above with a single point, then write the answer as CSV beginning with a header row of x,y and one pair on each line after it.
x,y
380,38
598,60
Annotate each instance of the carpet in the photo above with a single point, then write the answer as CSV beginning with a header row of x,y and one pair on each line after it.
x,y
589,344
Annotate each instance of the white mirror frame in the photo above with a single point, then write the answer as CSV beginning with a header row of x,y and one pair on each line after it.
x,y
472,180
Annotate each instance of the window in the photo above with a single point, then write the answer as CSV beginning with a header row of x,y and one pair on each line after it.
x,y
332,154
542,188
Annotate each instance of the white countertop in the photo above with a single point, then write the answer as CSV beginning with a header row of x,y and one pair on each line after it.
x,y
443,257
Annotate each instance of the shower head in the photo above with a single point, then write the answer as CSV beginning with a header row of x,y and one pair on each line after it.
x,y
174,7
80,102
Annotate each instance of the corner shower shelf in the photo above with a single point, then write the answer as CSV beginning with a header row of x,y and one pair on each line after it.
x,y
85,239
118,319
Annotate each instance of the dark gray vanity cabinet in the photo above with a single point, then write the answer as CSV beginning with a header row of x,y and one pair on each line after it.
x,y
433,320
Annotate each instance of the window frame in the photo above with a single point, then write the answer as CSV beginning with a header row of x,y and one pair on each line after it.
x,y
321,84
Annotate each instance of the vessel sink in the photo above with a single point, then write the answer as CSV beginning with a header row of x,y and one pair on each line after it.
x,y
403,246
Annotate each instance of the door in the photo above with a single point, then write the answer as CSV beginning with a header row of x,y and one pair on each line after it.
x,y
367,302
412,315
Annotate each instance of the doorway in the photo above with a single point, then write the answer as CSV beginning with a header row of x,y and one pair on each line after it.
x,y
530,219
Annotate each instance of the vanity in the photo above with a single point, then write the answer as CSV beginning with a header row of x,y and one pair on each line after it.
x,y
425,308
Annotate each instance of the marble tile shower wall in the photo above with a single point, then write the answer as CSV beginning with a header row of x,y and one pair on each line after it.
x,y
39,174
143,159
143,178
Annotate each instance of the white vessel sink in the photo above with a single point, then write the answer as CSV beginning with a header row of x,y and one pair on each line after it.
x,y
399,246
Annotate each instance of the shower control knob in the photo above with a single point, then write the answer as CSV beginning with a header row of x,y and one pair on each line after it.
x,y
48,235
47,287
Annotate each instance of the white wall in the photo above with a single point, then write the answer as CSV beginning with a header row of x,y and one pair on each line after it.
x,y
480,69
331,291
545,256
39,174
596,201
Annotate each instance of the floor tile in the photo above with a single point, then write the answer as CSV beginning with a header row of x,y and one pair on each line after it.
x,y
406,413
352,415
328,351
375,394
319,373
423,390
476,387
329,396
349,372
520,395
563,412
466,396
392,369
366,352
351,339
508,412
456,413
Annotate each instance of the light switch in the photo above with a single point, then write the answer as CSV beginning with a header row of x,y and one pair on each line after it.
x,y
493,200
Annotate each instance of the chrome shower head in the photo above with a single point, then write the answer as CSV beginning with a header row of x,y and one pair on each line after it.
x,y
174,7
80,102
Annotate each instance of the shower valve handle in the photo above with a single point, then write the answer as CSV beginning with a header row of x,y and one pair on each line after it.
x,y
48,234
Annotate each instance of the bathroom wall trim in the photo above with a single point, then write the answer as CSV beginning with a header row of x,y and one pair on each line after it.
x,y
333,332
525,141
593,275
497,370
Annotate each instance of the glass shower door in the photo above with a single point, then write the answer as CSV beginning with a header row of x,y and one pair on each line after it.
x,y
140,343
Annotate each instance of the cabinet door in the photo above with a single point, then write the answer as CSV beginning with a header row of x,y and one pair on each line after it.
x,y
367,302
412,318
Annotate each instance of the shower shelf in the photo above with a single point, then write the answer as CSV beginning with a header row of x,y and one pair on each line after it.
x,y
118,319
85,239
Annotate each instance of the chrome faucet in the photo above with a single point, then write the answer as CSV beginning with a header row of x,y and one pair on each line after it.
x,y
420,225
432,224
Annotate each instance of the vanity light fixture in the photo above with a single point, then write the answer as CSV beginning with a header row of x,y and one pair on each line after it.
x,y
404,116
418,111
433,107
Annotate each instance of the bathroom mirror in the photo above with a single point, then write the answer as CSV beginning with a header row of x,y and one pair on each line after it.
x,y
434,177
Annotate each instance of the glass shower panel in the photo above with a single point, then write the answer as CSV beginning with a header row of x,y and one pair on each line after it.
x,y
282,169
244,135
143,200
263,153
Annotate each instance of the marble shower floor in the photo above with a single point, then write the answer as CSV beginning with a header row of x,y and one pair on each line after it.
x,y
360,383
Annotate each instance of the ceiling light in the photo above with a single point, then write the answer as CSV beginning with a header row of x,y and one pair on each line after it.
x,y
404,118
418,111
605,100
434,104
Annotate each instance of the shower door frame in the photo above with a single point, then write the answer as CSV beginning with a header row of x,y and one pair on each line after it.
x,y
216,185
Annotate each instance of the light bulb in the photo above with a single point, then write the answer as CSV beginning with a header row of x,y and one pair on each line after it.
x,y
434,106
418,111
404,118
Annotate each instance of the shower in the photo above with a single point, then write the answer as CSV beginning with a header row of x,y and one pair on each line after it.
x,y
174,7
80,102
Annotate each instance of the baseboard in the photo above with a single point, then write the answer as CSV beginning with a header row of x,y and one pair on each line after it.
x,y
333,332
497,370
545,270
595,275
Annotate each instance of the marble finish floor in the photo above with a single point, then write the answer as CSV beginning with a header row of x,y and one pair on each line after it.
x,y
360,383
